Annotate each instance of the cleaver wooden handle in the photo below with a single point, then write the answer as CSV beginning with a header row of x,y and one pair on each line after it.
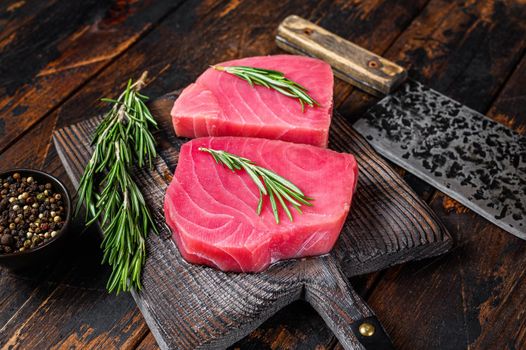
x,y
346,314
350,62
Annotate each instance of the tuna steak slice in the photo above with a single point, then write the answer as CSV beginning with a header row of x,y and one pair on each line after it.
x,y
212,211
220,104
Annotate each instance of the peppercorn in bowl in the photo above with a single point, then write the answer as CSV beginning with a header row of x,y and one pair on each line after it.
x,y
35,210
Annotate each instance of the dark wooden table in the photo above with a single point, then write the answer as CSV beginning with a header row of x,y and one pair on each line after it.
x,y
58,57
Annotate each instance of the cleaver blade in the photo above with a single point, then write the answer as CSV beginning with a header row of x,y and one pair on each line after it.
x,y
469,157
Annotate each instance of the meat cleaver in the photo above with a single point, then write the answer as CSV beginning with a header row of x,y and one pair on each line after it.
x,y
469,157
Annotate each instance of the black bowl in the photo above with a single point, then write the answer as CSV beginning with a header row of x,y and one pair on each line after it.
x,y
49,250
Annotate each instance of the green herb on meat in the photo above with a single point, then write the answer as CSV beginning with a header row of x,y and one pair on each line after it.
x,y
121,141
271,79
270,184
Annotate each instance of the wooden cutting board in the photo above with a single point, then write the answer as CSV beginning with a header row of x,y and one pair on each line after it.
x,y
188,306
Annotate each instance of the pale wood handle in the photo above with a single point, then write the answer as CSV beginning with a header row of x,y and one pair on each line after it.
x,y
350,62
328,291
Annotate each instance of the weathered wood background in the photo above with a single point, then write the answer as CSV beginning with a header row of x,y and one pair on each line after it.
x,y
58,57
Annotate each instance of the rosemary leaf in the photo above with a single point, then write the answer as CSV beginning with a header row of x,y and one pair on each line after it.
x,y
268,182
271,79
108,191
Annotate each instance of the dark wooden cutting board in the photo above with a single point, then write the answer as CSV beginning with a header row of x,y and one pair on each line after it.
x,y
188,306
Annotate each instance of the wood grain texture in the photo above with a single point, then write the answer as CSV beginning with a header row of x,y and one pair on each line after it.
x,y
15,13
294,327
75,321
148,343
189,306
47,316
75,41
508,108
349,62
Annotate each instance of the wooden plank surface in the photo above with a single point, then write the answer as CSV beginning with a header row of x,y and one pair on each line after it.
x,y
450,45
73,41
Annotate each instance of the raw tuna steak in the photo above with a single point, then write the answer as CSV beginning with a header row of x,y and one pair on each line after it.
x,y
212,210
221,104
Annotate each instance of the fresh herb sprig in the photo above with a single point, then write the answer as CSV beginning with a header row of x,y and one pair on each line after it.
x,y
121,141
270,184
271,79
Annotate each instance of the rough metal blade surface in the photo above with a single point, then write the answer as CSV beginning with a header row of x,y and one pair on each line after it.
x,y
478,162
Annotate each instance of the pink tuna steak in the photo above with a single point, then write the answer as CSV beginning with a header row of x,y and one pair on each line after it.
x,y
212,210
221,104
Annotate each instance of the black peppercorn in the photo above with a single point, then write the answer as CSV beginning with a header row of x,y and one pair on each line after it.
x,y
6,239
30,213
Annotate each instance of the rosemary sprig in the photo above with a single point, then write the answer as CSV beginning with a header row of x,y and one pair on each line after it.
x,y
270,184
271,79
121,141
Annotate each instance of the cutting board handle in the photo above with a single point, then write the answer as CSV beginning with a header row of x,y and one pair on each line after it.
x,y
350,62
351,320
